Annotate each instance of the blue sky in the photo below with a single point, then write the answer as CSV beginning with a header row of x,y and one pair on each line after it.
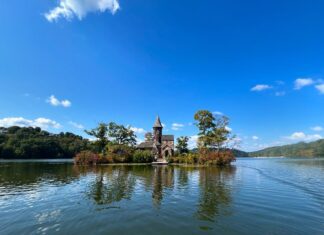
x,y
66,65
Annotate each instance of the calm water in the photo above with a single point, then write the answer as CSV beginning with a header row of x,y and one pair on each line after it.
x,y
255,196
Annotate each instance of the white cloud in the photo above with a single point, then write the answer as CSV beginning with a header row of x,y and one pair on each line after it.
x,y
139,140
138,130
76,125
176,126
261,87
301,136
228,128
255,137
297,135
320,88
302,82
44,123
192,143
52,100
218,113
66,103
317,128
69,9
280,93
92,139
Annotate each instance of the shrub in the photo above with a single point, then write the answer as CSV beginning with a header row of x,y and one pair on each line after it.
x,y
143,156
205,157
105,159
212,157
86,158
186,158
120,153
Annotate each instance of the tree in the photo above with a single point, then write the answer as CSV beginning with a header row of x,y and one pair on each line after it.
x,y
119,134
206,125
182,144
148,136
101,135
213,130
29,142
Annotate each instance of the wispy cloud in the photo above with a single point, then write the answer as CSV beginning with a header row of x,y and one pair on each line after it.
x,y
192,143
301,136
76,125
280,93
138,130
177,126
52,100
41,122
303,82
317,128
69,9
218,113
255,137
228,128
320,88
261,87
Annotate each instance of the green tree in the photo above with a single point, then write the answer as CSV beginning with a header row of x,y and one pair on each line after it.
x,y
121,135
182,144
148,136
213,130
101,135
29,142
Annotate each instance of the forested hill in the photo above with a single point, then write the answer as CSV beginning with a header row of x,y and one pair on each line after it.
x,y
29,142
312,149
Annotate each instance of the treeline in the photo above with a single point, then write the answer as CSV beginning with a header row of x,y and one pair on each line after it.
x,y
115,143
312,149
29,142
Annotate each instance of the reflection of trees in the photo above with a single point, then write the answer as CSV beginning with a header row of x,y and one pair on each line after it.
x,y
112,184
215,192
184,175
13,174
115,183
162,178
109,184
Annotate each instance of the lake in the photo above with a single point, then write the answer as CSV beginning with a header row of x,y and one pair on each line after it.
x,y
254,196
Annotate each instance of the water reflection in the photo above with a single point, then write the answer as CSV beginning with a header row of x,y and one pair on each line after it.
x,y
215,192
162,180
115,183
18,176
50,198
112,184
109,185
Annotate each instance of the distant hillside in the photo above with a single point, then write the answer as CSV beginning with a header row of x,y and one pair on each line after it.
x,y
312,149
240,153
28,142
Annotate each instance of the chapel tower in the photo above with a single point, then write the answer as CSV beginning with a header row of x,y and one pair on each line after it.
x,y
157,136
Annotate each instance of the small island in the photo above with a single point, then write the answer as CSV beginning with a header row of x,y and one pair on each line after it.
x,y
117,144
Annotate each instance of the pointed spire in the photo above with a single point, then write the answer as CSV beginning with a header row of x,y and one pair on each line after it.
x,y
157,122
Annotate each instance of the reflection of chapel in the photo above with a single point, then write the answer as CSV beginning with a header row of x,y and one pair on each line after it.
x,y
161,145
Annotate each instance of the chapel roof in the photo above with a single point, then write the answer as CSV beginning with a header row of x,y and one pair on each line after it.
x,y
168,137
157,122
